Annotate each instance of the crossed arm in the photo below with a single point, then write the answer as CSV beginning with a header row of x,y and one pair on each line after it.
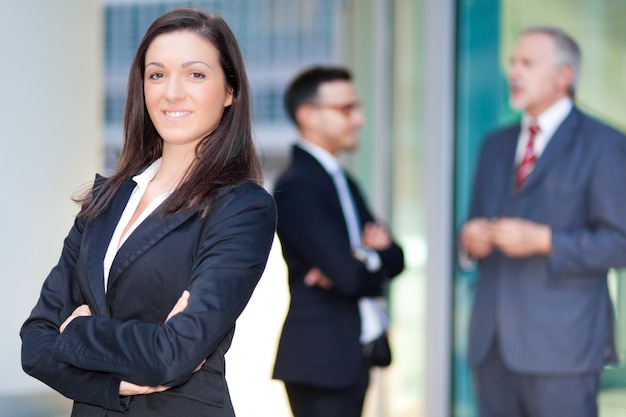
x,y
128,388
375,236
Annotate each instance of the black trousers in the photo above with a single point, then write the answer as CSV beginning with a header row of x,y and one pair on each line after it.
x,y
312,401
501,392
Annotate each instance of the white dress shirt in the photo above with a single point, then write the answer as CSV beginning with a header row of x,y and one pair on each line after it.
x,y
118,240
548,122
374,320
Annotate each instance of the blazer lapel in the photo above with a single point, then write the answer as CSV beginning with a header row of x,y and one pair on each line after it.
x,y
154,228
508,158
157,225
307,162
503,196
562,140
98,241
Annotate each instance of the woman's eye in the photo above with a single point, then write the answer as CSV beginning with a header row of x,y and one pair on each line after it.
x,y
155,76
197,75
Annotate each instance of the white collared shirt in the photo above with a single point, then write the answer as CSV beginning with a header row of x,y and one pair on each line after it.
x,y
548,121
331,165
326,159
117,240
374,320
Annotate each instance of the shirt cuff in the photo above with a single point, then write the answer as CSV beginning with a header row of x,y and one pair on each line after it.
x,y
369,257
466,263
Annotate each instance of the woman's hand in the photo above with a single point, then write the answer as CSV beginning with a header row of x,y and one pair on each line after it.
x,y
82,310
127,388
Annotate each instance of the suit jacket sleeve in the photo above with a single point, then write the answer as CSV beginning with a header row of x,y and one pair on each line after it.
x,y
490,149
392,258
312,229
59,297
599,244
231,256
586,213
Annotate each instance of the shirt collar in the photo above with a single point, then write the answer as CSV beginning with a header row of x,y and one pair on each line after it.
x,y
147,175
551,118
326,159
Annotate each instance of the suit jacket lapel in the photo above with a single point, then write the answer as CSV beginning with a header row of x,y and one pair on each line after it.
x,y
98,241
562,140
503,195
306,161
508,180
146,235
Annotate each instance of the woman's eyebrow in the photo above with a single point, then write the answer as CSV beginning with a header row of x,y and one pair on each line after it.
x,y
157,64
190,63
184,65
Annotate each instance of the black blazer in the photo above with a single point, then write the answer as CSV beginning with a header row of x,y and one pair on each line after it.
x,y
219,259
320,344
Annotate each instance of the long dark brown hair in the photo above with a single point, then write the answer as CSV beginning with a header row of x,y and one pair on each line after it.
x,y
226,156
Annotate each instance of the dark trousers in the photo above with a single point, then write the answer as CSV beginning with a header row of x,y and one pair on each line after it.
x,y
501,392
311,401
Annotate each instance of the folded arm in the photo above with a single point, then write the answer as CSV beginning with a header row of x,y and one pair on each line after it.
x,y
229,263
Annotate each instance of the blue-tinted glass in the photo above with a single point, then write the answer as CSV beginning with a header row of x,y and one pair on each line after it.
x,y
277,38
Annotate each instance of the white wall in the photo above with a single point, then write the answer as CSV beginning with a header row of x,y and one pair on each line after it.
x,y
50,111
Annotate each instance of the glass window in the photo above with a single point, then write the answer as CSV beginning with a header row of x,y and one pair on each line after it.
x,y
277,38
487,31
390,165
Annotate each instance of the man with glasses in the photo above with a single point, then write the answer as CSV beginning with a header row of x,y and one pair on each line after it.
x,y
338,256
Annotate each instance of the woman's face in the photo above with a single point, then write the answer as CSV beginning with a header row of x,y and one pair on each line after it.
x,y
184,88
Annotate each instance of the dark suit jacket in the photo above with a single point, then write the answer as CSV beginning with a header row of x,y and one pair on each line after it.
x,y
320,344
219,259
552,314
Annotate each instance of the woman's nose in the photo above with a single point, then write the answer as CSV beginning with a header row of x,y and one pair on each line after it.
x,y
175,89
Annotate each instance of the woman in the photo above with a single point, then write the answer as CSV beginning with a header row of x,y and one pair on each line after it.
x,y
136,317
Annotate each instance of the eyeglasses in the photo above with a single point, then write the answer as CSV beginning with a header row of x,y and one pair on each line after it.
x,y
345,109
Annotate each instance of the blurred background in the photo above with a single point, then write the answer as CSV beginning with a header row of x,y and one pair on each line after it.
x,y
430,73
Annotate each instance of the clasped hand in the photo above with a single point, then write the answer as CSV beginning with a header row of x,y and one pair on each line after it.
x,y
515,237
128,388
374,236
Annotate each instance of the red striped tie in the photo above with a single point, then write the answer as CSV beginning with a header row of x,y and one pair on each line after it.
x,y
529,156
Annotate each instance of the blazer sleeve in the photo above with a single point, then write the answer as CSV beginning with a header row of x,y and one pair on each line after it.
x,y
59,297
601,243
392,258
483,170
230,259
313,230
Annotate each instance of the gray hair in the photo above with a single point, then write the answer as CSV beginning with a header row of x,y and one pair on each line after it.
x,y
567,50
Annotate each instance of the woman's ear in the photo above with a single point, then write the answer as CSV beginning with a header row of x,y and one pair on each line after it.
x,y
229,97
